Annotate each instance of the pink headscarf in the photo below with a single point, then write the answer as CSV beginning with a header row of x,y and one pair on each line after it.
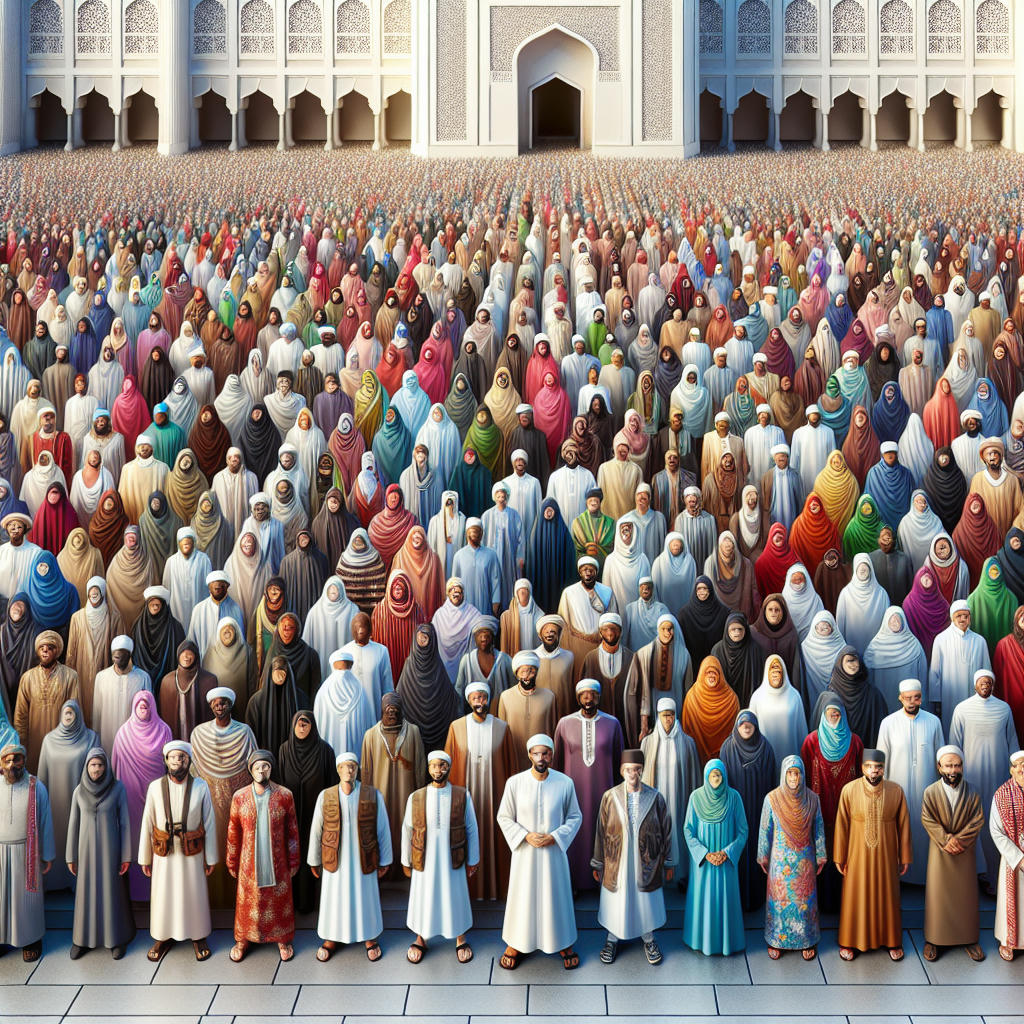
x,y
129,415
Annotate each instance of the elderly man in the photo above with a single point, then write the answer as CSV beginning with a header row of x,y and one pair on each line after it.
x,y
539,817
581,606
1005,826
263,855
719,442
234,485
114,690
696,526
632,850
953,817
42,692
526,707
440,853
999,487
27,852
177,849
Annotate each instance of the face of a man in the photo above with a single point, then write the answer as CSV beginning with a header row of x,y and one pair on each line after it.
x,y
221,707
550,634
13,767
911,702
951,768
438,769
631,775
177,764
540,759
260,772
873,771
47,652
96,767
983,687
347,772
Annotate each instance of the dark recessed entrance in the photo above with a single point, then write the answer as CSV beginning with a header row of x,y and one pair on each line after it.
x,y
556,115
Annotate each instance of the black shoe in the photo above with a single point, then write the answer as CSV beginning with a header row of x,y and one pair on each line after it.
x,y
118,952
76,951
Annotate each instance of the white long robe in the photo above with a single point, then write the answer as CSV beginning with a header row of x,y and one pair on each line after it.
x,y
525,497
1010,857
15,563
780,716
505,536
22,919
349,900
343,711
910,743
207,617
185,578
439,894
539,911
569,488
672,766
233,492
810,451
112,697
179,906
956,655
371,665
758,442
983,730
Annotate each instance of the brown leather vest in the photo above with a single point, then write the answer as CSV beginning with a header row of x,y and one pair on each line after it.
x,y
456,828
366,830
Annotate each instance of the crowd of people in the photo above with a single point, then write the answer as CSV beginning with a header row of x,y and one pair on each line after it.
x,y
536,536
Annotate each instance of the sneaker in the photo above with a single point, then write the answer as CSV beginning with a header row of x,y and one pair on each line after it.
x,y
609,952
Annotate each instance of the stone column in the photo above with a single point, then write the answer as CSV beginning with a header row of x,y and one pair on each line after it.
x,y
376,132
821,129
1007,139
723,141
961,132
775,131
117,132
729,144
175,78
329,134
10,77
70,144
968,138
233,145
919,118
282,132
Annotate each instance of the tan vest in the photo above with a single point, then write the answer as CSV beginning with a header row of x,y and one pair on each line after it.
x,y
456,828
366,830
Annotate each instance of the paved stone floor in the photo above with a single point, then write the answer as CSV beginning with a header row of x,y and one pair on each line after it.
x,y
350,990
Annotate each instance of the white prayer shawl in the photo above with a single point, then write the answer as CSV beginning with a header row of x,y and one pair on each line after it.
x,y
185,578
446,533
819,655
569,486
650,529
674,577
285,355
206,618
640,622
910,744
284,410
915,449
343,711
672,766
780,715
861,605
78,412
956,655
525,498
917,530
349,900
787,496
112,700
439,894
624,568
758,442
803,604
233,491
15,564
1006,846
983,730
810,451
539,910
371,665
84,499
528,618
22,920
328,625
179,906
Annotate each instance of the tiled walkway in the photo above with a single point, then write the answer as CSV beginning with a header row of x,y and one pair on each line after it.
x,y
750,987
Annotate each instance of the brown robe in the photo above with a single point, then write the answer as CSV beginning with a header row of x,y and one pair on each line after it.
x,y
396,764
611,689
486,786
40,699
871,840
527,714
1003,503
951,889
556,674
89,653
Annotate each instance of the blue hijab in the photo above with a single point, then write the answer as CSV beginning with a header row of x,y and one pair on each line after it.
x,y
839,317
834,740
890,413
940,325
712,804
52,599
550,557
994,420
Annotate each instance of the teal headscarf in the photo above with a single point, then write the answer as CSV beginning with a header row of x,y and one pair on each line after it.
x,y
712,804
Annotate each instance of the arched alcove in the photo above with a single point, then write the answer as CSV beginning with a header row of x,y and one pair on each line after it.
x,y
97,119
796,123
143,120
987,119
750,122
845,119
893,121
214,119
398,123
356,119
710,119
309,124
261,121
940,119
51,120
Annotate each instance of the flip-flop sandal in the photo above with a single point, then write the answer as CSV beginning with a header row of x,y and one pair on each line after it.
x,y
774,953
287,953
846,953
459,949
421,948
896,955
31,953
930,952
1006,953
570,959
609,951
810,954
653,952
202,950
158,950
238,951
509,961
374,948
324,953
976,953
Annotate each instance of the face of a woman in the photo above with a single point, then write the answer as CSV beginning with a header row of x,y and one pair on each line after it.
x,y
775,675
823,628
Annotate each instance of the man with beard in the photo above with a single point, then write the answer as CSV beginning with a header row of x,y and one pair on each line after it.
x,y
234,486
539,817
593,532
108,442
953,817
141,477
1005,827
697,526
872,849
114,690
178,849
917,378
17,555
263,854
26,853
525,706
571,484
782,490
440,853
48,438
532,442
719,442
610,663
910,738
581,608
42,692
478,567
270,532
967,445
999,488
555,671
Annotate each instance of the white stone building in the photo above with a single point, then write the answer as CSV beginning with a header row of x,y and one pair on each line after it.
x,y
497,77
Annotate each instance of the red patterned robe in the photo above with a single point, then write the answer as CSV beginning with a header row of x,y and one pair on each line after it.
x,y
267,914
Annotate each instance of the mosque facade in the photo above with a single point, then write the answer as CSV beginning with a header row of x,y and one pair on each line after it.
x,y
497,77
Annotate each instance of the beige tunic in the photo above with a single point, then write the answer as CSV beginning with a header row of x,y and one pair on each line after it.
x,y
1003,499
40,698
88,650
527,714
139,479
556,674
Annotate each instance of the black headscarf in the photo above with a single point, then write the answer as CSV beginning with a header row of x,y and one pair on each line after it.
x,y
333,530
260,441
271,710
303,661
946,488
305,571
883,366
668,372
702,621
17,641
742,661
753,772
1012,561
156,639
864,703
429,699
550,557
159,529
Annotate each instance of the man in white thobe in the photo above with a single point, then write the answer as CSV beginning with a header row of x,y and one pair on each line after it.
x,y
631,844
350,863
758,442
27,852
523,492
570,484
1006,828
982,727
812,444
208,613
342,710
505,536
440,852
234,486
371,663
17,555
179,906
478,567
539,817
957,653
185,576
114,689
672,766
648,524
910,739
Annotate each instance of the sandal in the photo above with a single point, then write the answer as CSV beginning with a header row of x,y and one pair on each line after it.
x,y
846,953
373,948
930,952
570,959
1006,953
157,950
286,950
810,953
896,954
459,951
774,953
419,956
325,952
609,951
510,959
653,952
975,952
238,951
202,950
32,952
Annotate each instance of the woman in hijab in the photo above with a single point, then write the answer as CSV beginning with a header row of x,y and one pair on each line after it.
x,y
992,605
392,447
484,437
883,368
260,442
709,709
333,525
772,565
129,574
893,655
472,481
273,707
137,760
209,441
54,520
157,636
975,536
550,556
946,488
79,562
159,525
918,528
741,657
801,599
752,767
733,577
129,415
813,532
835,409
838,489
52,599
106,528
775,633
860,449
184,485
461,403
303,661
830,577
864,704
395,619
862,604
861,534
304,570
305,766
214,534
819,650
926,609
362,571
429,700
233,662
941,416
370,404
890,414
